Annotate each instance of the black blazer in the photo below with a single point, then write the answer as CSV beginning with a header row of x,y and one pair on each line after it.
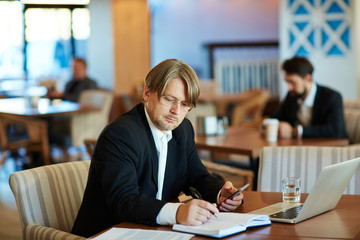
x,y
327,114
122,182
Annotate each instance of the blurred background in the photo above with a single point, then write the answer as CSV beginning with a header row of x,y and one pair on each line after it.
x,y
123,39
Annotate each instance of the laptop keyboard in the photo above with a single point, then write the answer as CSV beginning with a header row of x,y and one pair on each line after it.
x,y
288,213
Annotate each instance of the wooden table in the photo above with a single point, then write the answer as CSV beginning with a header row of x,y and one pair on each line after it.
x,y
249,142
341,223
22,109
21,106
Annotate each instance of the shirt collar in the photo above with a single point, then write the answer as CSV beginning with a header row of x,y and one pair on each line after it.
x,y
157,134
310,98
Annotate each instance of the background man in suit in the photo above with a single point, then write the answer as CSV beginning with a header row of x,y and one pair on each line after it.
x,y
146,157
309,109
77,84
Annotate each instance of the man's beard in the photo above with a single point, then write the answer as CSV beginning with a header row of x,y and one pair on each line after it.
x,y
299,95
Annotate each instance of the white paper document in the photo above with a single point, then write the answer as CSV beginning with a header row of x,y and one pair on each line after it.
x,y
139,234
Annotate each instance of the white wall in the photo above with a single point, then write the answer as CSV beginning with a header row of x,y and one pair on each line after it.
x,y
180,28
100,44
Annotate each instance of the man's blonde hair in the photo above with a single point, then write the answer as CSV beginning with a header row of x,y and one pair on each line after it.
x,y
160,76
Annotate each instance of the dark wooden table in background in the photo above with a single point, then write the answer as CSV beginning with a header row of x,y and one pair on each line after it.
x,y
249,142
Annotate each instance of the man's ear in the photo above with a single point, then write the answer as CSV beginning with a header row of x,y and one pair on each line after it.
x,y
146,93
308,78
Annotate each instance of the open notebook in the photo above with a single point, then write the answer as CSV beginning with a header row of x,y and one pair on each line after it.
x,y
323,197
226,223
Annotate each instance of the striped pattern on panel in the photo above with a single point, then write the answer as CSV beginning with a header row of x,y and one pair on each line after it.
x,y
240,75
305,162
37,232
51,195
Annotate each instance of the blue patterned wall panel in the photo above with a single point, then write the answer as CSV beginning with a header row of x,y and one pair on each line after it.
x,y
335,51
301,10
335,8
319,25
345,37
312,2
334,24
301,25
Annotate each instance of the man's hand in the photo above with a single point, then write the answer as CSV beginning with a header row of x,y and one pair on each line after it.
x,y
229,205
54,94
195,212
285,130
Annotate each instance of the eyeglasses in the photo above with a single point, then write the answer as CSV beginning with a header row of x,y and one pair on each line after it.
x,y
171,101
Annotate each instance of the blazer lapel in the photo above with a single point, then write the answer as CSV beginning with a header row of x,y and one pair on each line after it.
x,y
152,148
317,105
173,163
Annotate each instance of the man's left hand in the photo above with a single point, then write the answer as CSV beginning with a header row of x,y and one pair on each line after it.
x,y
229,205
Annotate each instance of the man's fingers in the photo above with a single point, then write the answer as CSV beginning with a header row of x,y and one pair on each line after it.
x,y
198,212
231,204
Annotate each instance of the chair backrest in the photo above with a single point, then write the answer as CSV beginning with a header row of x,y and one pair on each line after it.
x,y
305,162
35,139
90,124
238,177
351,104
90,145
50,196
352,124
250,110
93,97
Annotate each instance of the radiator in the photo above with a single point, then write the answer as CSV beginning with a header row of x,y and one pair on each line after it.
x,y
237,76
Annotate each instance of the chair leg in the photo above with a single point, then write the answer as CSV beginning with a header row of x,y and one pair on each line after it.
x,y
66,155
46,155
3,157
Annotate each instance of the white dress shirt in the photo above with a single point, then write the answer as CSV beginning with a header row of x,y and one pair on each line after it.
x,y
167,214
305,108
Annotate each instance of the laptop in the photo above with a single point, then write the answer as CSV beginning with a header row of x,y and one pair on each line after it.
x,y
323,197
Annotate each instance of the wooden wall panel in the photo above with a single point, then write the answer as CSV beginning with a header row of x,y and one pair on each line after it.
x,y
131,44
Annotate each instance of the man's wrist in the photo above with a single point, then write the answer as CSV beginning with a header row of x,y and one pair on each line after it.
x,y
167,214
297,131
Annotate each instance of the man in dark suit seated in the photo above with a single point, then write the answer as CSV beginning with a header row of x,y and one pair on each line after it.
x,y
76,85
146,157
309,109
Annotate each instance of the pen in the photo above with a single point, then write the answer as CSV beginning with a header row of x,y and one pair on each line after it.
x,y
195,194
236,193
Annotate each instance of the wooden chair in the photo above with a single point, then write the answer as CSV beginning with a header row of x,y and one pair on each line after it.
x,y
90,145
305,162
36,139
249,112
238,177
48,199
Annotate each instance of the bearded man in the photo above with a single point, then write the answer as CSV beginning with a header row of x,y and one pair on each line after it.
x,y
309,109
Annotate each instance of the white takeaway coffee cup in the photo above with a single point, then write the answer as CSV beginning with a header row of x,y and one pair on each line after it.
x,y
271,126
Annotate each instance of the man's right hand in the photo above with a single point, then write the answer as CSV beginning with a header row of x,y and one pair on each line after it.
x,y
285,130
195,212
